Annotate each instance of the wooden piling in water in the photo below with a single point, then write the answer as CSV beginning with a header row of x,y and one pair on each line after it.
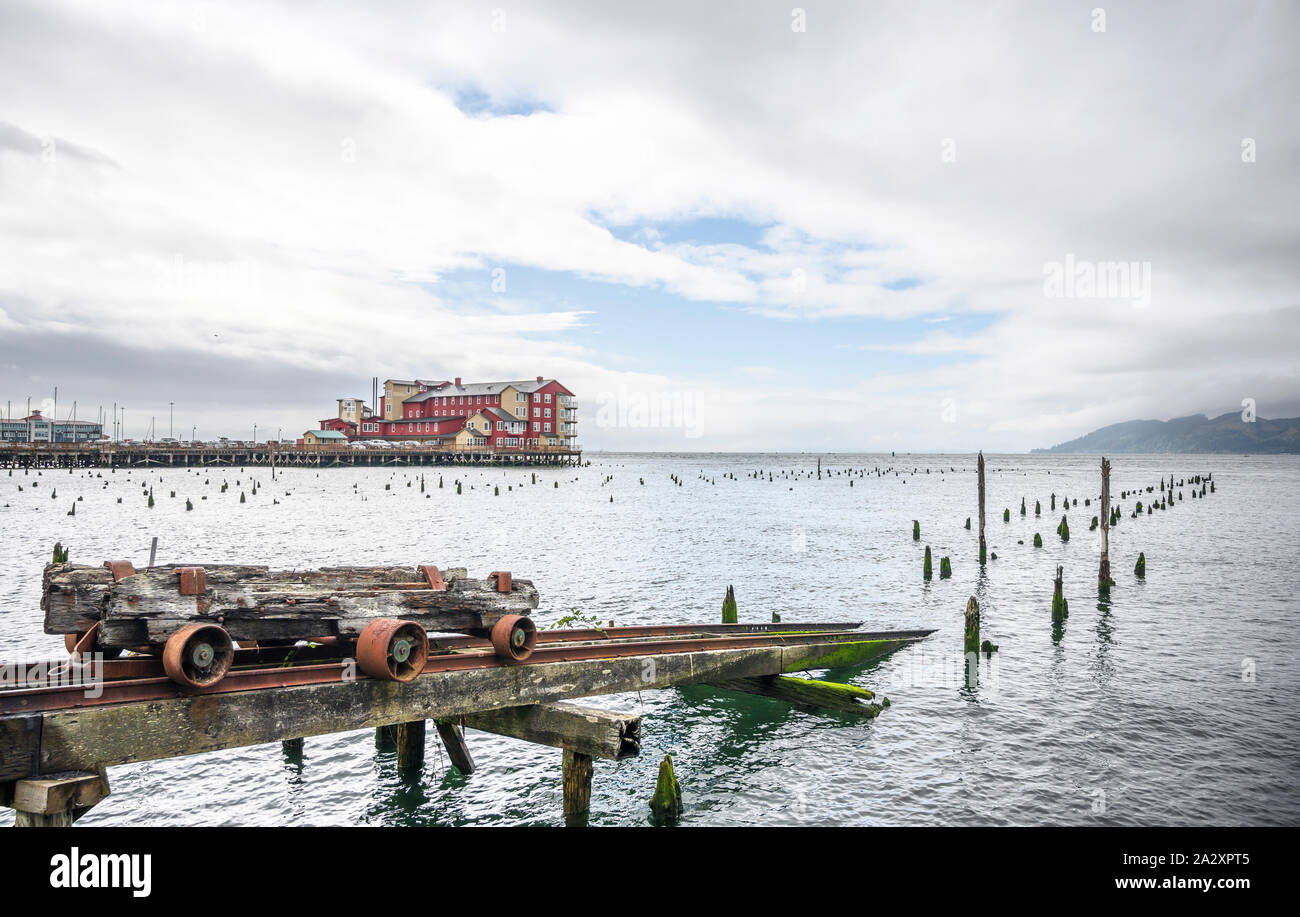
x,y
410,745
972,643
980,468
729,613
666,804
1103,570
576,770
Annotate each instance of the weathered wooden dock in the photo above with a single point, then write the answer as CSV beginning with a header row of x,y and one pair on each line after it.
x,y
62,727
129,455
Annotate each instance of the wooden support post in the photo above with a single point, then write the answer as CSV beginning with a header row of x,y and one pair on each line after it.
x,y
453,739
56,800
1103,572
386,737
292,747
410,745
980,468
577,769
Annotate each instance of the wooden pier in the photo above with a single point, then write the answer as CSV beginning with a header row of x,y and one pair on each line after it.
x,y
129,455
56,745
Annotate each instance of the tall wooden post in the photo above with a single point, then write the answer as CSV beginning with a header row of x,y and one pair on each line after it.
x,y
577,770
980,467
1103,572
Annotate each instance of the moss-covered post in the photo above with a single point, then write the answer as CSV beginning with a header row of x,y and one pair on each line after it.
x,y
972,626
1060,607
1140,569
916,530
729,607
1103,571
666,804
577,770
929,570
979,465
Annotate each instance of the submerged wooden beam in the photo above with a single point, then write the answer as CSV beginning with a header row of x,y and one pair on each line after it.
x,y
807,693
586,730
82,739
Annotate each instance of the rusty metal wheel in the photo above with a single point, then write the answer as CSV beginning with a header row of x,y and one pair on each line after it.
x,y
198,655
392,650
513,637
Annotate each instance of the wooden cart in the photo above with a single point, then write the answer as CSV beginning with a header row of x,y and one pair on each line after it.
x,y
193,615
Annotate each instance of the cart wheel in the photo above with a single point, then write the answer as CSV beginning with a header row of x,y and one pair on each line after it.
x,y
392,650
198,655
513,637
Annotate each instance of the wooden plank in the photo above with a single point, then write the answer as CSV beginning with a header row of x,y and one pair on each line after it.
x,y
592,732
20,745
83,739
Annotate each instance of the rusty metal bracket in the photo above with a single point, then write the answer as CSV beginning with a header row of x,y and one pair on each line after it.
x,y
194,580
120,569
434,576
503,580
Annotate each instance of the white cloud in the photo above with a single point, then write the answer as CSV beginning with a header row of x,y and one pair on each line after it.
x,y
271,182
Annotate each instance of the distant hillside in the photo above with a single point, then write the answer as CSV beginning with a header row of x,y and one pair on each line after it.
x,y
1198,433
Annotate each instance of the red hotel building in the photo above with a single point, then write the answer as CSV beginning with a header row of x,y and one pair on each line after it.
x,y
496,415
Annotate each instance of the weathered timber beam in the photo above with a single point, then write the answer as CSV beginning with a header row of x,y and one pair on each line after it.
x,y
586,730
58,793
807,693
85,738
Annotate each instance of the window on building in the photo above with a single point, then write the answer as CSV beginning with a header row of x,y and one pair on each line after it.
x,y
548,428
548,397
548,412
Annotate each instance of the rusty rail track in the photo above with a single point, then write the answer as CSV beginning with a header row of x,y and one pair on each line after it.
x,y
134,679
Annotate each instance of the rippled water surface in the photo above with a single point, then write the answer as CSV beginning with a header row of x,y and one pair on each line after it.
x,y
1166,704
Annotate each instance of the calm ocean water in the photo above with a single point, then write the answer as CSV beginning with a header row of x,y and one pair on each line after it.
x,y
1164,705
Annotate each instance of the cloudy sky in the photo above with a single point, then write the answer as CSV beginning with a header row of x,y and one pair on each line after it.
x,y
842,226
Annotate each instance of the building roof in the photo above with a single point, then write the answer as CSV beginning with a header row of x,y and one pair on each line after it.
x,y
478,388
350,423
326,434
503,415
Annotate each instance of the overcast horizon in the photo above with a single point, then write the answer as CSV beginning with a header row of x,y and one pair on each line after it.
x,y
910,227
